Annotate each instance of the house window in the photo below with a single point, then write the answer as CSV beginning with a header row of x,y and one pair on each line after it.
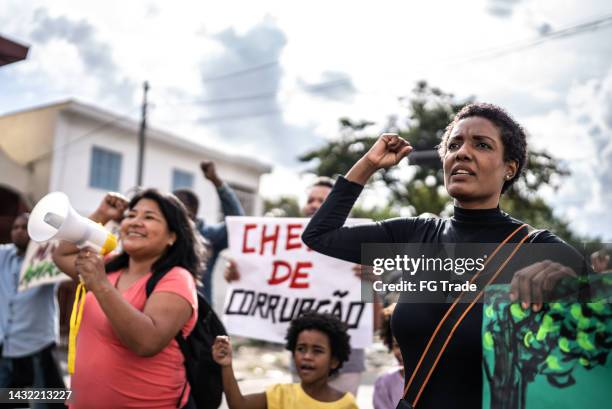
x,y
105,170
181,179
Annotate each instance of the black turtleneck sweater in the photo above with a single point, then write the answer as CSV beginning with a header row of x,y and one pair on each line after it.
x,y
457,380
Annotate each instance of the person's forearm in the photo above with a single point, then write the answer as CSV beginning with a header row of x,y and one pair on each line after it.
x,y
361,172
134,329
99,218
325,232
234,397
216,181
230,205
64,256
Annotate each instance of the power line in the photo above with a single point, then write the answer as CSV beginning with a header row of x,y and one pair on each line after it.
x,y
239,116
321,87
581,28
325,85
493,53
314,88
226,100
245,71
487,54
593,25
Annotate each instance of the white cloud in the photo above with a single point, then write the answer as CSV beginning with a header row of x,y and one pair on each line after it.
x,y
383,50
581,133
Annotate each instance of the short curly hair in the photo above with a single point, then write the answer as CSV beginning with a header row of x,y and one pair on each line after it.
x,y
330,325
513,135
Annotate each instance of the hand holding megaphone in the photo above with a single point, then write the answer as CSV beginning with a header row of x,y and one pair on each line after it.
x,y
53,218
89,266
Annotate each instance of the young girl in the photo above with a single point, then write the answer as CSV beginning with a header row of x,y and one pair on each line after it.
x,y
320,345
388,388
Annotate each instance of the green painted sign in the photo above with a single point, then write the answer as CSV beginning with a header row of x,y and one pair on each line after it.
x,y
556,358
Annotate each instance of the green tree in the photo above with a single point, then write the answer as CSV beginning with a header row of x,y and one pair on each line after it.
x,y
288,205
429,110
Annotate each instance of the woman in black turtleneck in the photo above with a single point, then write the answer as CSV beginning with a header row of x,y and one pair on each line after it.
x,y
483,152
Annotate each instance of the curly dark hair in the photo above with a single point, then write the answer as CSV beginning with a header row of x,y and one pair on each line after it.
x,y
328,324
513,135
187,251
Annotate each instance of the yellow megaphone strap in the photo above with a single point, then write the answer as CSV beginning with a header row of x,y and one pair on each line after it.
x,y
75,322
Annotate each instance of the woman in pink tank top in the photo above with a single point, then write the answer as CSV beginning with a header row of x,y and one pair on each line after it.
x,y
126,354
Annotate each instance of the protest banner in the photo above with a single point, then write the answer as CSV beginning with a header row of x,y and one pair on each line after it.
x,y
38,267
280,277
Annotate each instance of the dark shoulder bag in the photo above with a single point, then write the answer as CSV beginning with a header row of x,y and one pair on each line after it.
x,y
203,373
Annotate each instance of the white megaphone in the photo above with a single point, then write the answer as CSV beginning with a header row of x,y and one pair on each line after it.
x,y
53,218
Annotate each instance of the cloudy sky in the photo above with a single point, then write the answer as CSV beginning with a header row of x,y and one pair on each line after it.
x,y
270,79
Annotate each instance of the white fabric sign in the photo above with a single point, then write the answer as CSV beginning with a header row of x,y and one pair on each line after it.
x,y
280,278
38,267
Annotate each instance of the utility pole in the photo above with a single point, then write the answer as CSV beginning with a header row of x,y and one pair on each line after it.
x,y
141,134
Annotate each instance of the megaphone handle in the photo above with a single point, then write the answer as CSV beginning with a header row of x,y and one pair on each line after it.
x,y
99,250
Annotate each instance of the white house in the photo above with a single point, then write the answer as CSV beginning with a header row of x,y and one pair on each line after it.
x,y
85,151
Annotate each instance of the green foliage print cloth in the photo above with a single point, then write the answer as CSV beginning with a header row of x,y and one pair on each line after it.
x,y
556,358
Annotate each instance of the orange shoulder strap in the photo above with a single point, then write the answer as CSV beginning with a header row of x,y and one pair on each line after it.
x,y
430,353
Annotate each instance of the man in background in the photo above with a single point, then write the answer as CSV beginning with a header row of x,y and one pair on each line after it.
x,y
214,234
28,322
349,376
